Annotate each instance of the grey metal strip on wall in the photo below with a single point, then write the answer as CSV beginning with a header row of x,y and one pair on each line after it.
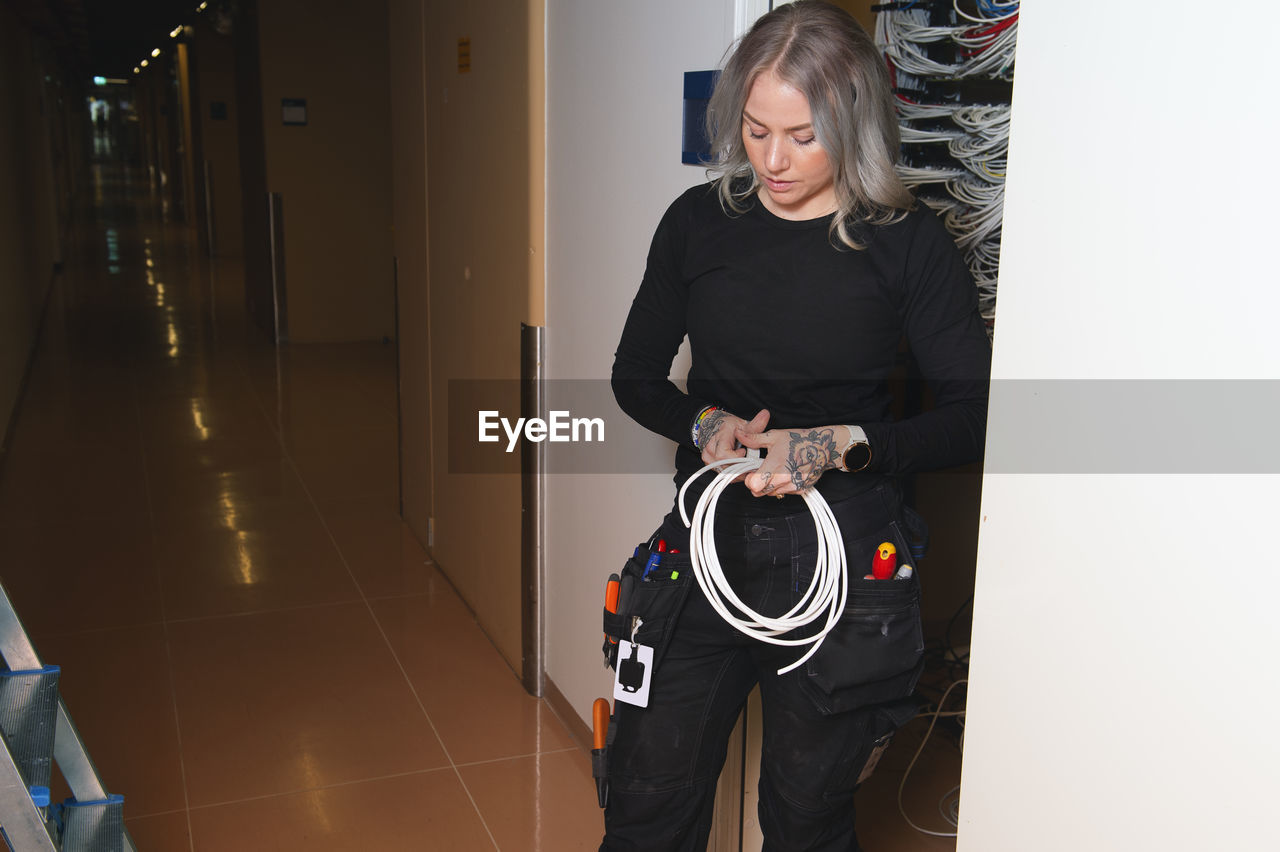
x,y
532,466
275,214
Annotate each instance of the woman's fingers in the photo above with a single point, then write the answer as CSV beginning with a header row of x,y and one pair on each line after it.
x,y
758,423
794,459
760,482
721,430
720,451
769,483
753,433
771,478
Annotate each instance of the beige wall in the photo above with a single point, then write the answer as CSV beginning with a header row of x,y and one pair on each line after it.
x,y
860,9
193,194
333,173
410,244
463,302
159,108
28,208
478,217
215,81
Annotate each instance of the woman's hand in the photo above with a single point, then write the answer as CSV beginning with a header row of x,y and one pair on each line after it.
x,y
718,434
795,459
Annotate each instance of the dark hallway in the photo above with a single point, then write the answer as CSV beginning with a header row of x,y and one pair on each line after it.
x,y
206,539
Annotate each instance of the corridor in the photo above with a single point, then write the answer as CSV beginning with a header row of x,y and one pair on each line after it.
x,y
205,537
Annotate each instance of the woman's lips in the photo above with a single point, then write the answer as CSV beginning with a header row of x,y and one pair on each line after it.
x,y
778,185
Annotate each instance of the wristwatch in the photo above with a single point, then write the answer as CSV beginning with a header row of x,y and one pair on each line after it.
x,y
856,455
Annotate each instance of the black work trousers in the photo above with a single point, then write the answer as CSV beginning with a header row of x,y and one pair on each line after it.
x,y
821,722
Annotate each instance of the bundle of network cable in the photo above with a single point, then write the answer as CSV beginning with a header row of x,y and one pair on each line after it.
x,y
827,592
985,35
933,49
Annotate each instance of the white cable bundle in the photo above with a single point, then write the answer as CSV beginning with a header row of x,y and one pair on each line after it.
x,y
827,592
920,175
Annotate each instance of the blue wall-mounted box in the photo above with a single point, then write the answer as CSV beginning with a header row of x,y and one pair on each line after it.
x,y
695,146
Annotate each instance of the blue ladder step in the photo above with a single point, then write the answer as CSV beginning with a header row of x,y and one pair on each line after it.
x,y
96,826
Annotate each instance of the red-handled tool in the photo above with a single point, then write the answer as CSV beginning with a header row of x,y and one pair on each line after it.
x,y
884,561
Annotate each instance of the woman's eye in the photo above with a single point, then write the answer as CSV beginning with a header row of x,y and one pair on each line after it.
x,y
808,141
755,135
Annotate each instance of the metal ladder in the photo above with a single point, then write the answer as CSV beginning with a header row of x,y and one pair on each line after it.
x,y
93,816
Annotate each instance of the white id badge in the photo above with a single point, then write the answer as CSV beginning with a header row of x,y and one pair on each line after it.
x,y
633,673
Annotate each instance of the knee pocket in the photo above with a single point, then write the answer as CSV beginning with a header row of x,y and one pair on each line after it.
x,y
818,775
796,820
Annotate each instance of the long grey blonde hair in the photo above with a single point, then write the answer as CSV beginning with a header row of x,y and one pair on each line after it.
x,y
823,52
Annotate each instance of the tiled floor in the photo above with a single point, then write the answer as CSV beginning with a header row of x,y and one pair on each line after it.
x,y
258,653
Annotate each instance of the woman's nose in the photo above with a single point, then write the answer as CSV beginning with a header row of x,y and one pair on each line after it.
x,y
775,157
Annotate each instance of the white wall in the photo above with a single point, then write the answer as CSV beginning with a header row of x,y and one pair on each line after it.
x,y
614,101
1125,624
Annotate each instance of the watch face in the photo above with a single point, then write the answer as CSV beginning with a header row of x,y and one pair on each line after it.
x,y
857,457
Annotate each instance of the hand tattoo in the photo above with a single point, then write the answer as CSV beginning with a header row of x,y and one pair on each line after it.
x,y
764,482
710,425
809,456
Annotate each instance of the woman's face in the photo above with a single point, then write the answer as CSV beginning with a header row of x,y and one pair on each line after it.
x,y
777,130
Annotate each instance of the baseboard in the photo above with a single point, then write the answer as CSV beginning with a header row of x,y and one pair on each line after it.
x,y
578,729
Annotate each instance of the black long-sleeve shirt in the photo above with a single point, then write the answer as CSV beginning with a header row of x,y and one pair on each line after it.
x,y
779,318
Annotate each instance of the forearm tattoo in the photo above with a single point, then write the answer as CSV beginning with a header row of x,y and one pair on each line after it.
x,y
811,453
710,425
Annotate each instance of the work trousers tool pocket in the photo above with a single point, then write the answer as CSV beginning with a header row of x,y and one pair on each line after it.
x,y
875,653
652,592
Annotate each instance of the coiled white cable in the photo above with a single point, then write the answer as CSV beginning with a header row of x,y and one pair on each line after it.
x,y
827,591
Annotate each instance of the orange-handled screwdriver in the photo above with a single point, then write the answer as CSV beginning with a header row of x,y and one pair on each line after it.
x,y
599,722
599,754
611,600
611,593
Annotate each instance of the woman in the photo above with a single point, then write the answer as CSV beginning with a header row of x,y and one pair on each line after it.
x,y
795,275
